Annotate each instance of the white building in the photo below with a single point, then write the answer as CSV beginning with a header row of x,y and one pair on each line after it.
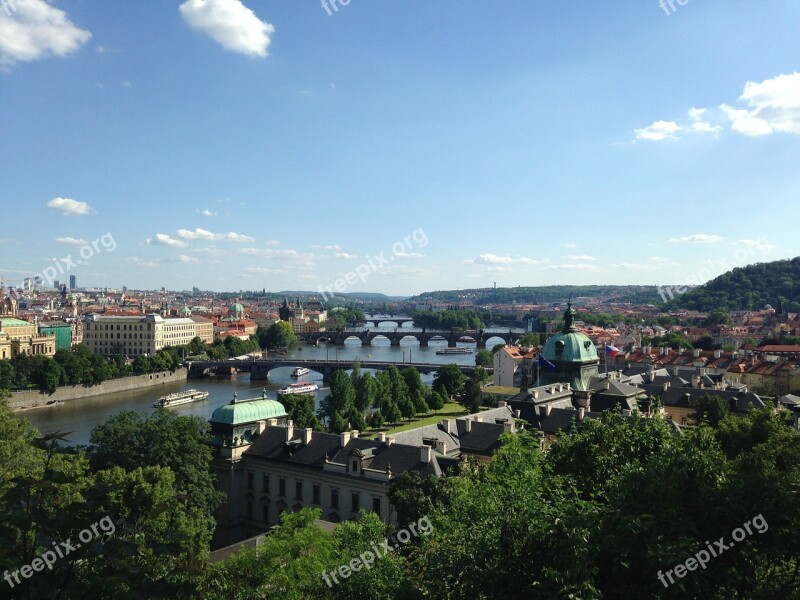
x,y
140,335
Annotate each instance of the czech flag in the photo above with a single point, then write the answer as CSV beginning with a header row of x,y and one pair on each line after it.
x,y
612,350
543,362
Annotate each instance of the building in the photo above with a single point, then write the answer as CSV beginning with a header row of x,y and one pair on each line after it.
x,y
61,331
73,282
21,337
573,354
142,335
265,465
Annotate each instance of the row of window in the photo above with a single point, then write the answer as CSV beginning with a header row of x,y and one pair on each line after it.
x,y
355,497
123,336
107,327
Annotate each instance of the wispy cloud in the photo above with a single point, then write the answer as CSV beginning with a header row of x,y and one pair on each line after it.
x,y
581,257
71,241
773,106
162,239
203,234
697,238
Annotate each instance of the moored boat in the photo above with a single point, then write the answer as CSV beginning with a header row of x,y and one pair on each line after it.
x,y
177,398
299,388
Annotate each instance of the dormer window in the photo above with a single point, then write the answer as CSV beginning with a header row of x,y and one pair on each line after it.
x,y
355,465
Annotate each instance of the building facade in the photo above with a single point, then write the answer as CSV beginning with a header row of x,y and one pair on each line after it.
x,y
142,335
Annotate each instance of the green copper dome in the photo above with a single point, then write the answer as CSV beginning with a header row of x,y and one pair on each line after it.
x,y
570,345
236,308
248,411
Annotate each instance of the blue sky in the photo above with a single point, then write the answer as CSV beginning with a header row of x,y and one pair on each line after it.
x,y
264,144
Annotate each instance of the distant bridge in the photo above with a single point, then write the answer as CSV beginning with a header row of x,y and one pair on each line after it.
x,y
259,368
423,336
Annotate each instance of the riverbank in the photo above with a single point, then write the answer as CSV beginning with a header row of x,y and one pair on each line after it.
x,y
31,399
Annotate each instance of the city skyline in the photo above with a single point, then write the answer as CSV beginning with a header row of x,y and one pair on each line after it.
x,y
397,148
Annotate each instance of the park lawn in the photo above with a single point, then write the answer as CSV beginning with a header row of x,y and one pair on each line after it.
x,y
451,410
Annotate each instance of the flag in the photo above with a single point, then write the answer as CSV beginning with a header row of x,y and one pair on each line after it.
x,y
611,350
543,362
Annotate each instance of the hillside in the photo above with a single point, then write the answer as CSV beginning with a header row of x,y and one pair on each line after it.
x,y
747,288
634,294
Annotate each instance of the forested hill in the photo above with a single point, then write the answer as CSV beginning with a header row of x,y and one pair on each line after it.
x,y
748,288
635,294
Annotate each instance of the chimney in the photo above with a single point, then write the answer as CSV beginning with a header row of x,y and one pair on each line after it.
x,y
581,413
467,425
272,422
608,385
289,430
426,454
696,352
717,353
260,427
666,385
508,426
382,437
345,435
518,414
390,440
447,425
626,412
502,404
535,394
355,433
307,433
441,446
675,370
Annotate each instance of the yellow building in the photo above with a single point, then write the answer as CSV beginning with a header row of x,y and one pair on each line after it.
x,y
140,335
21,337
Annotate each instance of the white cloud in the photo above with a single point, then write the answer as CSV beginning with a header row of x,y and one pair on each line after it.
x,y
494,259
203,234
182,258
409,255
346,256
32,30
698,238
658,131
760,245
329,247
231,23
68,206
208,213
140,262
162,239
660,260
71,241
267,252
573,267
774,107
581,257
634,267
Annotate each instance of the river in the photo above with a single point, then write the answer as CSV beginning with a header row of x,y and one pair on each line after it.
x,y
79,417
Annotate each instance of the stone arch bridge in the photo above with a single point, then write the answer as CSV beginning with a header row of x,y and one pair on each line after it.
x,y
422,336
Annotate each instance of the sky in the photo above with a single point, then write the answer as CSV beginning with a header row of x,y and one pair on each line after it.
x,y
396,146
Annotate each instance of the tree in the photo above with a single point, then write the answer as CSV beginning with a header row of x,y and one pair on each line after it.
x,y
719,316
391,412
674,340
366,392
472,396
710,409
300,408
530,340
436,401
280,335
449,380
484,358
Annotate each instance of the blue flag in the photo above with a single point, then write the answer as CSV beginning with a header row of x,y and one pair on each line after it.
x,y
543,362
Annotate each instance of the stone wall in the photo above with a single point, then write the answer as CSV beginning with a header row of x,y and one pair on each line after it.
x,y
33,398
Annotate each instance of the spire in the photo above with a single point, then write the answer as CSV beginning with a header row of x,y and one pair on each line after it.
x,y
569,316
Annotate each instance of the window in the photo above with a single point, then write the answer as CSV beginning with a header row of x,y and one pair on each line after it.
x,y
281,487
355,502
249,480
376,505
298,490
265,513
264,482
335,499
315,493
249,509
355,466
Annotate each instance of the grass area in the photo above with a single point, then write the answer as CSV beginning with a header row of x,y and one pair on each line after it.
x,y
497,389
451,410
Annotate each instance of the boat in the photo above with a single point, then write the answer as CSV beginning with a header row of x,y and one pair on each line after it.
x,y
177,398
299,388
455,351
300,371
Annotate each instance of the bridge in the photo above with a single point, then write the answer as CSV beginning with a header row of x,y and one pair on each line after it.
x,y
378,319
423,336
259,368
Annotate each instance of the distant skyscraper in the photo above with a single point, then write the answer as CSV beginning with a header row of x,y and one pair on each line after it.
x,y
56,285
72,282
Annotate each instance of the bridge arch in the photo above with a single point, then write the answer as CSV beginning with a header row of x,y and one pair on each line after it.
x,y
352,339
493,340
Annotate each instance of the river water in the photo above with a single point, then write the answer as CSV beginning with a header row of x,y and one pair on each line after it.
x,y
79,417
